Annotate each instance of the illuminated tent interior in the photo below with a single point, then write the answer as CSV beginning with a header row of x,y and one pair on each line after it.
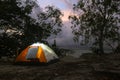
x,y
37,52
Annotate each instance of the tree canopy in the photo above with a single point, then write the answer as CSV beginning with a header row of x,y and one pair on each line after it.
x,y
99,22
19,29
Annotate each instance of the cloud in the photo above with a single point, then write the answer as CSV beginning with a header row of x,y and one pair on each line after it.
x,y
66,15
68,3
65,37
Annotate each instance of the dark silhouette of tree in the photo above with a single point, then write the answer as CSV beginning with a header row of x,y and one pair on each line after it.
x,y
11,19
20,29
96,21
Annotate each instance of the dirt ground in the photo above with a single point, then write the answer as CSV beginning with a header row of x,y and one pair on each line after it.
x,y
87,67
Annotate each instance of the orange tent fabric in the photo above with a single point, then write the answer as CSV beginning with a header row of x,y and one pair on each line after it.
x,y
22,55
36,53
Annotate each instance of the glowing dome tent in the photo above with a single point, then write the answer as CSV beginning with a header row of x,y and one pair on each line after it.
x,y
37,52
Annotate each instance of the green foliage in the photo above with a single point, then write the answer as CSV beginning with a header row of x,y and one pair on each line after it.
x,y
25,30
98,22
51,20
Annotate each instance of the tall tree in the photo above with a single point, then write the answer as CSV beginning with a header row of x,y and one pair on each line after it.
x,y
50,21
12,16
21,29
99,21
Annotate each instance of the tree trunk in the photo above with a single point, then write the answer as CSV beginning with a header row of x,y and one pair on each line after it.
x,y
101,49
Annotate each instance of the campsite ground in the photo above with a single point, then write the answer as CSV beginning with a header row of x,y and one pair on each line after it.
x,y
87,67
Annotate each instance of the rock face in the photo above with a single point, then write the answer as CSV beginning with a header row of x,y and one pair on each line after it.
x,y
87,67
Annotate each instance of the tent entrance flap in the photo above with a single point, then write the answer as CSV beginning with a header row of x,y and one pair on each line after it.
x,y
32,52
